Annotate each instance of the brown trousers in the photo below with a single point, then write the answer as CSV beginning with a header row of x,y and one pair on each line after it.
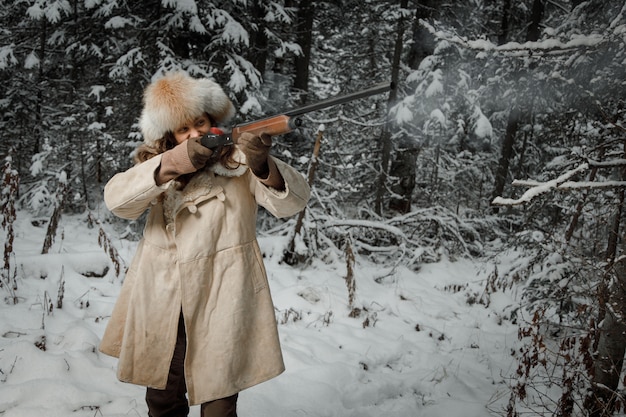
x,y
172,401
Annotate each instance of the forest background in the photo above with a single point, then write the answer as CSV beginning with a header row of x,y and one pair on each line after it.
x,y
505,124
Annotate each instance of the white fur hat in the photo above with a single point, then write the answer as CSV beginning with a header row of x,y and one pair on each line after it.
x,y
177,98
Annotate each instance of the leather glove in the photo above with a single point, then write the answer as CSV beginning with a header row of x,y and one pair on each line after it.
x,y
198,154
257,150
184,158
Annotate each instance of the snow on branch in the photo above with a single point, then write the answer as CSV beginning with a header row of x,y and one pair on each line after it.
x,y
419,236
551,45
367,224
561,183
613,163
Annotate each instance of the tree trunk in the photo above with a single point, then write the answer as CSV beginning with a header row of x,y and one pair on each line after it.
x,y
506,153
180,45
290,256
304,33
504,27
534,29
385,137
609,360
511,128
404,165
40,82
404,168
423,42
83,168
578,212
258,44
611,347
517,113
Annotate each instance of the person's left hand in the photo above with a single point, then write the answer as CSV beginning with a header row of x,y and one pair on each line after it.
x,y
257,149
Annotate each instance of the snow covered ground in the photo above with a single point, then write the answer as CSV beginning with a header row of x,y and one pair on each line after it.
x,y
417,348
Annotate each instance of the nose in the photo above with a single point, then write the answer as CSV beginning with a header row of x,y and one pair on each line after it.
x,y
195,132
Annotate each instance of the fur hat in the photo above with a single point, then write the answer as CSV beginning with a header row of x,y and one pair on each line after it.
x,y
177,98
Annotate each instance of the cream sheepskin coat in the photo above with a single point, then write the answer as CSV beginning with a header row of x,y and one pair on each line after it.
x,y
199,253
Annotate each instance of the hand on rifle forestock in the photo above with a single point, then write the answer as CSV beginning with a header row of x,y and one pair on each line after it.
x,y
257,150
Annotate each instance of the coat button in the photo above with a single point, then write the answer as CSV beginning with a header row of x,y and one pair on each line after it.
x,y
193,209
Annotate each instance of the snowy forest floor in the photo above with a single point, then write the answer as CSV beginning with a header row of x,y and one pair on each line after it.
x,y
421,346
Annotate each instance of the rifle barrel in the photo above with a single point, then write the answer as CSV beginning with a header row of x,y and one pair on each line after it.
x,y
377,89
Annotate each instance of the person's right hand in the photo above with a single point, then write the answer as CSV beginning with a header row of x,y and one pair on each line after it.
x,y
184,158
198,154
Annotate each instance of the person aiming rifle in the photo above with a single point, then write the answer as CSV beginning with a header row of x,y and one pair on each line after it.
x,y
194,321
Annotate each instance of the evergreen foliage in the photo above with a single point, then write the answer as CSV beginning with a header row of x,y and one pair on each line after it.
x,y
507,126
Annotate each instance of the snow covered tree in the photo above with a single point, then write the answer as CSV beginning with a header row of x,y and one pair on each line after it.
x,y
577,143
304,38
353,50
492,96
74,72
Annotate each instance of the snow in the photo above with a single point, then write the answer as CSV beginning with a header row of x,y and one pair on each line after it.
x,y
484,45
52,11
188,6
402,111
415,344
97,91
118,22
250,106
538,188
436,86
32,61
7,58
232,32
437,117
482,126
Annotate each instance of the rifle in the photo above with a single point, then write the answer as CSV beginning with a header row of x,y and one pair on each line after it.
x,y
285,122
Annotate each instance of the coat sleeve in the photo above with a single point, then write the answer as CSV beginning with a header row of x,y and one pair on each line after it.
x,y
128,194
284,203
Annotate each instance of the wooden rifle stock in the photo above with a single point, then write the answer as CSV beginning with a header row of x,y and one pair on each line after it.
x,y
275,125
286,122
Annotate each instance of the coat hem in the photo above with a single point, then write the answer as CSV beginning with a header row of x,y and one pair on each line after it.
x,y
197,401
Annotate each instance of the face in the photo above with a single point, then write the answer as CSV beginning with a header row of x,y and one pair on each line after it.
x,y
195,128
